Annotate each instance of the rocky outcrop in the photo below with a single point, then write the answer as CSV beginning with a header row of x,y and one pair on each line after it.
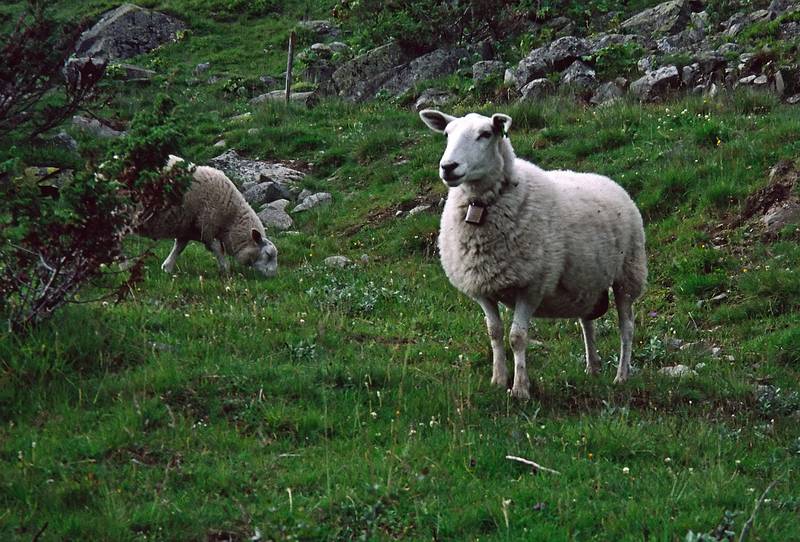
x,y
435,64
664,19
127,31
242,170
654,84
360,78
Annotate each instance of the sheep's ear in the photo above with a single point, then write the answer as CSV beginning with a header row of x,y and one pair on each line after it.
x,y
501,123
436,120
257,237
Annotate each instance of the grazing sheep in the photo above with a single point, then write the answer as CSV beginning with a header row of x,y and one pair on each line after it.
x,y
547,243
214,212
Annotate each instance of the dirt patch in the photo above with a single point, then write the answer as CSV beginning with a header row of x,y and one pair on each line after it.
x,y
782,179
381,216
768,210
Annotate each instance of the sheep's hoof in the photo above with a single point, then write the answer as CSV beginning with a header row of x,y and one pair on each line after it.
x,y
500,381
620,379
519,392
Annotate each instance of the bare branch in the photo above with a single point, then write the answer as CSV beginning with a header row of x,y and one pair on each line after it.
x,y
536,466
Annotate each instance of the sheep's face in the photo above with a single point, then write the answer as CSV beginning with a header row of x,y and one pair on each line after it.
x,y
262,256
473,145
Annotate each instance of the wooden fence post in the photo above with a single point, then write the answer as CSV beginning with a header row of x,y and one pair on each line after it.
x,y
289,63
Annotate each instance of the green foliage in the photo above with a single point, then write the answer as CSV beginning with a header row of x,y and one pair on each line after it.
x,y
617,59
51,245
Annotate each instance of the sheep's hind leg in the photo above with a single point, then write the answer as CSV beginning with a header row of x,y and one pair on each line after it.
x,y
495,325
177,248
523,311
216,248
592,359
624,304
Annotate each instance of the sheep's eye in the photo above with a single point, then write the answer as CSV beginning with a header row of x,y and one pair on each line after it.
x,y
484,135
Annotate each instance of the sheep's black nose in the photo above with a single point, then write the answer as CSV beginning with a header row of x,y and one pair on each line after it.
x,y
449,167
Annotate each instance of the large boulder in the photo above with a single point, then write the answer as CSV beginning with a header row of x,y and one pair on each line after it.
x,y
536,89
127,31
266,192
242,170
320,29
486,69
432,97
664,19
360,78
579,76
656,83
555,57
435,64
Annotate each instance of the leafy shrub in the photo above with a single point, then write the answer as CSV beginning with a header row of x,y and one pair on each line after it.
x,y
616,59
52,245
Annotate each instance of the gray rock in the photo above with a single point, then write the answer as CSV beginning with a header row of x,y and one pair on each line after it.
x,y
747,80
485,69
564,51
780,83
269,82
781,215
536,89
265,193
664,19
242,170
320,28
315,200
279,204
418,209
793,100
95,127
337,261
274,218
128,31
656,83
131,73
646,64
276,96
535,65
689,75
607,93
219,144
304,193
602,41
677,371
238,119
360,78
579,75
340,48
81,70
62,140
201,68
435,64
761,81
432,97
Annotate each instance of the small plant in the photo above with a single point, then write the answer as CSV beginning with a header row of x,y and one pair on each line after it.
x,y
616,59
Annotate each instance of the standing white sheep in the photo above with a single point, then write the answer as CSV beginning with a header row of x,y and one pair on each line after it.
x,y
547,243
215,212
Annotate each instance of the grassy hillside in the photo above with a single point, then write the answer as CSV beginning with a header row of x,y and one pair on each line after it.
x,y
355,404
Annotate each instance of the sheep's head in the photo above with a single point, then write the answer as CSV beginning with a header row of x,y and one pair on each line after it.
x,y
473,145
262,255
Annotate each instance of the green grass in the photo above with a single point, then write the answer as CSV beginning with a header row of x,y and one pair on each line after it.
x,y
355,404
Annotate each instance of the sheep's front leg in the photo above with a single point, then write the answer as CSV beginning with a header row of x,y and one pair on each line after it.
x,y
216,248
177,248
523,311
495,325
592,359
